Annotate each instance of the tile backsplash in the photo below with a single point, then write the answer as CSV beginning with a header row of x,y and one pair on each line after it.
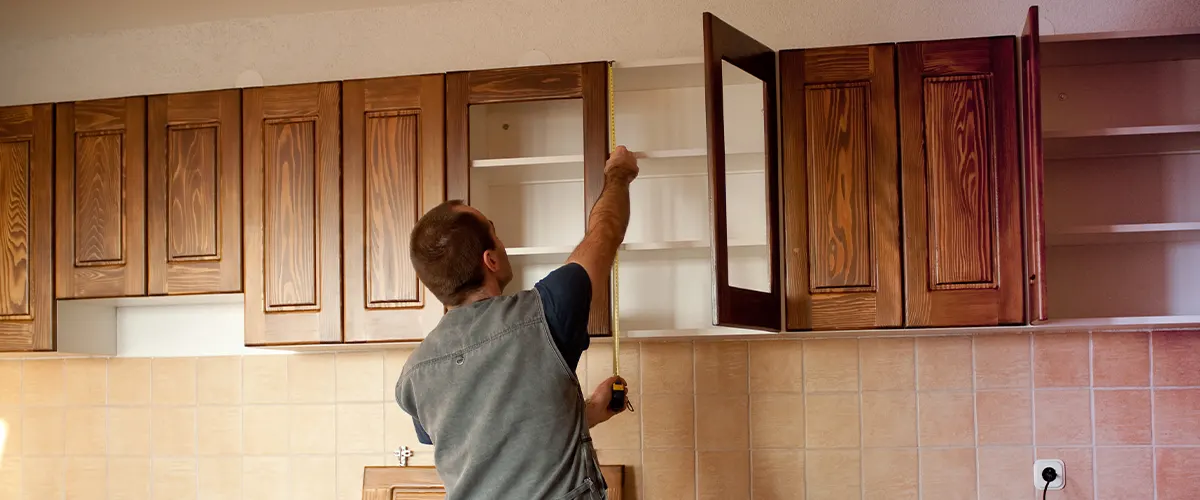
x,y
871,419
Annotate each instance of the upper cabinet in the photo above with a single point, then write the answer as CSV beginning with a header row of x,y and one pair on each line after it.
x,y
100,214
527,147
27,309
393,161
193,193
292,214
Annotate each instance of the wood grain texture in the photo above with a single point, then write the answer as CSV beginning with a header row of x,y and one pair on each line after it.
x,y
841,188
961,185
1037,309
392,173
458,138
422,483
291,214
193,185
732,306
595,154
27,307
534,83
100,194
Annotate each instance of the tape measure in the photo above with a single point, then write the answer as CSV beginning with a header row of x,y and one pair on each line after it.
x,y
619,400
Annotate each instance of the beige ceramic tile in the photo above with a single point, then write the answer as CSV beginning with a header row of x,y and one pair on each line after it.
x,y
1061,360
621,432
832,421
42,478
1004,472
1002,361
313,429
1176,359
1062,417
667,368
723,474
1124,473
174,478
948,474
777,474
667,421
173,431
42,382
831,365
890,474
1121,359
350,474
833,474
10,382
1123,417
86,478
314,478
599,366
777,420
632,460
776,366
42,428
265,478
944,363
129,381
360,428
946,419
312,378
86,430
86,381
129,478
1176,417
393,364
266,430
12,424
219,430
10,478
359,376
721,368
887,364
219,380
129,431
264,379
722,422
219,478
400,432
1079,480
889,418
669,474
1005,417
1177,476
173,381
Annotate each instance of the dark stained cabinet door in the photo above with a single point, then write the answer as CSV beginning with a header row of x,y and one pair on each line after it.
x,y
1031,129
100,198
392,173
194,182
292,246
841,189
960,182
27,310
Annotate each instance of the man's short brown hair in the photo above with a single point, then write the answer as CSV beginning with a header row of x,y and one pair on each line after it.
x,y
447,249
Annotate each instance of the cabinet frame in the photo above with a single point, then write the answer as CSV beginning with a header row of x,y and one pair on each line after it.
x,y
1034,173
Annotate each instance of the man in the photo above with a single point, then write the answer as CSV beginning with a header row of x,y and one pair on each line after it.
x,y
493,386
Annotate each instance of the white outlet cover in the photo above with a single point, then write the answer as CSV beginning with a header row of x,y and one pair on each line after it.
x,y
1057,465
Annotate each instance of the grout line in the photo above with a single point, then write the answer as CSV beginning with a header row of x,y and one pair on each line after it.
x,y
804,344
696,426
641,492
1033,388
749,429
917,394
862,471
1153,429
1092,399
975,415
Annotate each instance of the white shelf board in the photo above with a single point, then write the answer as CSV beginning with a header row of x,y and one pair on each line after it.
x,y
1118,35
1157,227
657,74
527,160
1120,131
1125,233
631,247
1124,321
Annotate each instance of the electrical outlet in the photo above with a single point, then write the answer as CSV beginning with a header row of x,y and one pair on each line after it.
x,y
1059,468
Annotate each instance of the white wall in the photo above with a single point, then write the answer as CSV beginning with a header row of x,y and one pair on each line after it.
x,y
489,33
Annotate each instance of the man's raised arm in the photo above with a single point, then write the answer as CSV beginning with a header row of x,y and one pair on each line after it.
x,y
609,218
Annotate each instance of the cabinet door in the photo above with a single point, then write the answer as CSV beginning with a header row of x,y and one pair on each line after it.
x,y
27,311
841,188
193,193
392,172
586,81
101,198
292,218
960,183
1031,142
745,295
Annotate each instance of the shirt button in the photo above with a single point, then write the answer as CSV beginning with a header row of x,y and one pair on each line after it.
x,y
459,360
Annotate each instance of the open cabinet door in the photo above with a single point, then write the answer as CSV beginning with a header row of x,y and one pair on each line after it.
x,y
1035,222
746,290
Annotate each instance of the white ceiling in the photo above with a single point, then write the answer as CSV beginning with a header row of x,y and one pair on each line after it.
x,y
25,19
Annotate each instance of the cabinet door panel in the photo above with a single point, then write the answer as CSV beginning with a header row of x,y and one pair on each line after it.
x,y
291,141
27,309
392,173
194,212
841,188
100,177
1031,142
961,183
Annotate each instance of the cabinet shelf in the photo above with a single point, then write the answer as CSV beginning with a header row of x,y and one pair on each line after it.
x,y
1122,131
648,246
1159,231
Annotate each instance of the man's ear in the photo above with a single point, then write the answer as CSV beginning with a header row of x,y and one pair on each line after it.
x,y
490,261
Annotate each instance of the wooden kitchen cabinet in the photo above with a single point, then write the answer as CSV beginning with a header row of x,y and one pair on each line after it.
x,y
392,173
292,214
100,198
27,307
527,147
193,193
